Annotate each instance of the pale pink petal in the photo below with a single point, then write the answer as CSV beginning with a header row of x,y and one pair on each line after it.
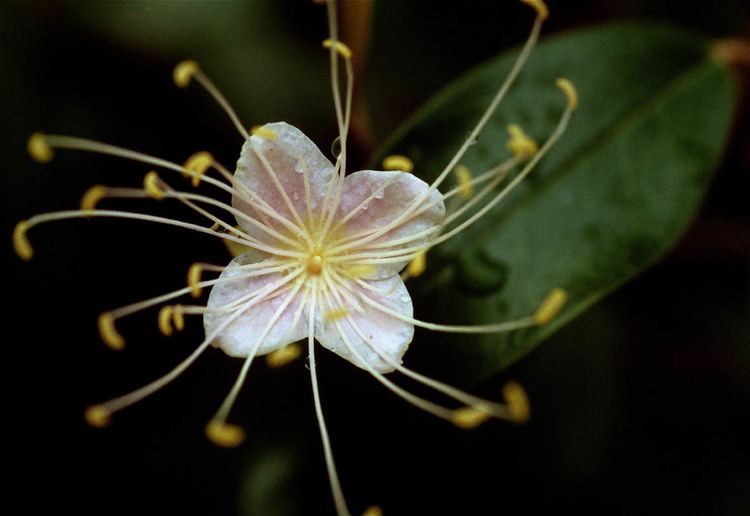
x,y
291,157
241,336
398,192
372,334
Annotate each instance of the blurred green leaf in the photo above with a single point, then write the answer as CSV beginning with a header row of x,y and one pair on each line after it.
x,y
613,196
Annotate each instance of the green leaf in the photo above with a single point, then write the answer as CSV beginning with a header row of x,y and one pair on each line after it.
x,y
612,197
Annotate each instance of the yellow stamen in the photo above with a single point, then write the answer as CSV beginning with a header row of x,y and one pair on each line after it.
x,y
569,90
283,356
97,416
264,132
109,333
517,401
178,318
373,511
184,72
540,7
469,417
418,264
335,314
193,278
341,48
224,434
398,162
520,144
198,164
550,307
314,265
151,185
21,244
463,175
165,320
39,149
92,196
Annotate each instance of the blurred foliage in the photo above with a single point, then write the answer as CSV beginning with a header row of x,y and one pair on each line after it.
x,y
640,405
614,194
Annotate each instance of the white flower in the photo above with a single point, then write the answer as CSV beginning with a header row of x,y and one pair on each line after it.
x,y
324,253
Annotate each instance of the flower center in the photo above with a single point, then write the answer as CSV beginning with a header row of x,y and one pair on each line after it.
x,y
314,265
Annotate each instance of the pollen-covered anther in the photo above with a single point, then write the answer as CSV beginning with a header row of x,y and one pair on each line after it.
x,y
97,416
108,332
569,89
39,149
550,307
197,165
165,320
417,265
184,72
469,417
517,401
314,265
284,356
21,244
520,144
224,434
398,162
463,177
151,186
263,132
540,7
92,197
341,48
194,278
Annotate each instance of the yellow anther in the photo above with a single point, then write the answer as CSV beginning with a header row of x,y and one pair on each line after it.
x,y
97,416
520,144
151,185
39,149
341,48
178,317
262,131
570,91
463,176
283,356
335,314
517,401
314,265
21,244
184,72
197,165
224,434
418,264
550,307
109,333
165,320
373,511
92,196
469,417
193,278
398,162
540,7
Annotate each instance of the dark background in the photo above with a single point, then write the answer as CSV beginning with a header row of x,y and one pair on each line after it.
x,y
641,406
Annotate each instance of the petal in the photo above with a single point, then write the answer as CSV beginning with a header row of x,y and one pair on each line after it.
x,y
292,158
400,190
240,337
371,332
